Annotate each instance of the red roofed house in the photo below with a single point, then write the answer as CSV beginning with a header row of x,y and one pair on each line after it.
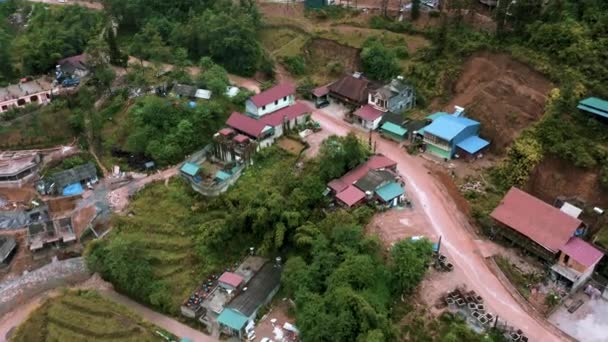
x,y
548,233
271,100
368,117
345,188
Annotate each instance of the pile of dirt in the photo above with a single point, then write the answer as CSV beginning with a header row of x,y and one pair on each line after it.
x,y
320,51
505,95
555,177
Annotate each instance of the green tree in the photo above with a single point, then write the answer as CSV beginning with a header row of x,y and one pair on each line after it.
x,y
379,62
410,260
6,62
215,78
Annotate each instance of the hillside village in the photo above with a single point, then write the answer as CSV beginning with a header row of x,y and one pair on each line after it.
x,y
303,170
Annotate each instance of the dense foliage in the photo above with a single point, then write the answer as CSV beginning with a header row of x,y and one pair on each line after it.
x,y
51,34
223,30
168,131
379,62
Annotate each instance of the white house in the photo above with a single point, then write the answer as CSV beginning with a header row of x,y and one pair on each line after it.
x,y
38,91
271,100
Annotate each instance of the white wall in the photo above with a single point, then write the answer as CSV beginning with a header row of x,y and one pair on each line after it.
x,y
252,109
371,124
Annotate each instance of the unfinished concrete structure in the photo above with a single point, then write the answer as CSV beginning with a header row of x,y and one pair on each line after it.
x,y
42,230
18,168
229,146
39,91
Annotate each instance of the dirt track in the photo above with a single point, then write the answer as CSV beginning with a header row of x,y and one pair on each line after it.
x,y
439,213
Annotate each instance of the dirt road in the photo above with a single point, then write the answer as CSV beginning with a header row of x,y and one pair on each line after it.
x,y
440,213
95,5
119,198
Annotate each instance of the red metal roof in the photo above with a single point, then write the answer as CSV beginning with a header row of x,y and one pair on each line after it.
x,y
351,196
321,91
582,251
376,162
368,113
245,124
291,112
226,131
231,279
240,138
277,92
539,221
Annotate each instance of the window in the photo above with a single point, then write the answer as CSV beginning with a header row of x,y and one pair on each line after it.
x,y
276,102
566,259
4,107
21,102
263,107
285,98
34,98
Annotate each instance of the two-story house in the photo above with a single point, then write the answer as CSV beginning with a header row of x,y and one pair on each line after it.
x,y
271,100
450,134
396,97
269,115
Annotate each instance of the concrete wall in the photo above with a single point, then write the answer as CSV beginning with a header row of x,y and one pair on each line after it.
x,y
42,98
252,109
401,102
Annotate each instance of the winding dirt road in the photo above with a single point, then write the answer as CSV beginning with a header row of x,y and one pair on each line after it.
x,y
458,242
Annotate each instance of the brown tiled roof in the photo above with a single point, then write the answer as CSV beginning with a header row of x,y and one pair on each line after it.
x,y
352,88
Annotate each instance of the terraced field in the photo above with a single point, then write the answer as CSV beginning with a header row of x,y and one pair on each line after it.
x,y
84,316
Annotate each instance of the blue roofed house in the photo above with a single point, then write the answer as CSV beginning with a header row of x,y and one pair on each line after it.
x,y
451,135
594,106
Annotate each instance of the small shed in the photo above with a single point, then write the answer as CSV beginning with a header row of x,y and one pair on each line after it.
x,y
230,281
203,94
472,147
393,131
390,194
190,172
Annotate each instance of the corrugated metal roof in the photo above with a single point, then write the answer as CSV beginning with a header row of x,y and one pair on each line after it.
x,y
394,129
351,196
246,124
276,118
190,169
232,319
259,288
376,162
390,191
473,144
539,221
222,175
594,105
447,127
583,252
273,94
76,174
368,113
231,279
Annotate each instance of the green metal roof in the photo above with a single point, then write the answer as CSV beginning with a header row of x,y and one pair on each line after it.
x,y
232,319
390,191
595,106
394,129
190,169
436,115
222,175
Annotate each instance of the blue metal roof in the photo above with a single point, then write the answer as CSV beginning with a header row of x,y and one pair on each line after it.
x,y
447,127
473,144
222,175
436,115
395,129
595,106
390,191
232,318
190,169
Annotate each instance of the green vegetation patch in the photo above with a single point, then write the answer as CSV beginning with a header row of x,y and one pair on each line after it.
x,y
521,280
82,316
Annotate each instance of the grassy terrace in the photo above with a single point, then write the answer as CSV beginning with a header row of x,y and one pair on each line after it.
x,y
83,316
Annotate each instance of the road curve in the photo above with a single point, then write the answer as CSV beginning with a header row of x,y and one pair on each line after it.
x,y
452,225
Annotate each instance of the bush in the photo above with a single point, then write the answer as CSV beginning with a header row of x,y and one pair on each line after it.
x,y
401,52
295,65
382,23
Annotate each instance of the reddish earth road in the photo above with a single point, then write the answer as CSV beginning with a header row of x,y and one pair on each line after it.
x,y
458,241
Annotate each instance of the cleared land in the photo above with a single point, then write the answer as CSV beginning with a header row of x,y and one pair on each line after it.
x,y
506,96
83,316
43,127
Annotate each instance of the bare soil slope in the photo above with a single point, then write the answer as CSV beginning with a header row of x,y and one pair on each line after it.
x,y
506,96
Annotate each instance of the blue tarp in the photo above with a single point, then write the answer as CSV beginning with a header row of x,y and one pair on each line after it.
x,y
473,144
73,189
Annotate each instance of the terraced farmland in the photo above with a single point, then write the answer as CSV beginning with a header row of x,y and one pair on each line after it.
x,y
84,316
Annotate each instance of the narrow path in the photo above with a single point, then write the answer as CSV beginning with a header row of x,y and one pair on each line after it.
x,y
158,319
442,215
